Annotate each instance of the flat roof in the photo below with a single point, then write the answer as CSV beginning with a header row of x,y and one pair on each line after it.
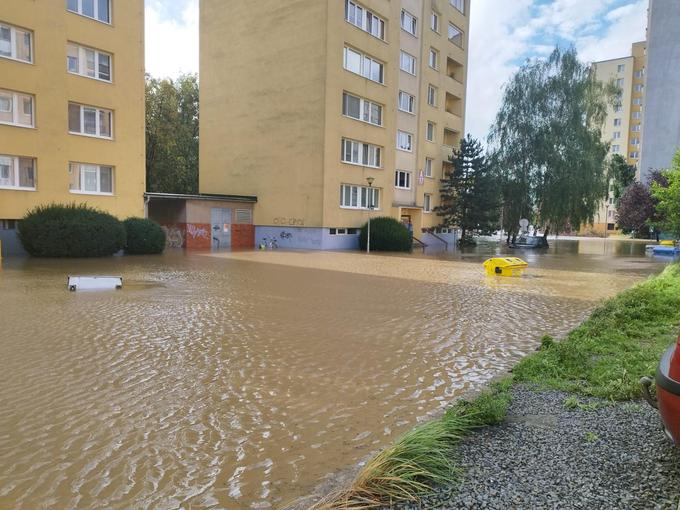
x,y
202,196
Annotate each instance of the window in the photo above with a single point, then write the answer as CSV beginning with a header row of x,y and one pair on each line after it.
x,y
359,197
8,224
17,172
16,108
619,82
434,22
639,73
427,203
620,68
364,65
636,128
16,43
409,22
95,9
455,35
407,102
617,122
343,231
434,59
430,131
402,179
432,95
404,141
639,87
635,141
361,109
637,101
458,4
637,115
88,62
359,153
617,108
89,120
616,148
428,167
635,155
616,134
364,19
95,179
407,63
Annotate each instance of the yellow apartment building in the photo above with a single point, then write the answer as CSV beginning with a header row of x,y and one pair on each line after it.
x,y
332,110
623,125
71,107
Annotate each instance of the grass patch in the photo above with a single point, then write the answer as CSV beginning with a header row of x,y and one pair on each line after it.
x,y
620,342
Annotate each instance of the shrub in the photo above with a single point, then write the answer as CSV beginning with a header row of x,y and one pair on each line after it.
x,y
60,230
143,237
387,234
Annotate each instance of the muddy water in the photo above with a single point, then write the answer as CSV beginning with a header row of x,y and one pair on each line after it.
x,y
242,380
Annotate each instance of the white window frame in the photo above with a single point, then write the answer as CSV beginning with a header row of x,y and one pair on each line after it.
x,y
17,101
459,5
366,21
13,43
366,154
616,135
434,131
617,122
404,141
79,11
366,63
433,59
402,175
362,195
620,68
98,126
453,39
634,155
637,101
82,168
15,169
364,109
408,63
427,170
635,141
411,108
636,128
637,115
620,82
82,62
639,73
432,95
617,108
427,203
435,22
639,87
409,23
616,149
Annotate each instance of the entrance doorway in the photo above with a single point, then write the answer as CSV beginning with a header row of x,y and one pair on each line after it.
x,y
406,220
220,228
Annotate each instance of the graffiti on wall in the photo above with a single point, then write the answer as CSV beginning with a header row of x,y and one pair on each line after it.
x,y
174,237
197,232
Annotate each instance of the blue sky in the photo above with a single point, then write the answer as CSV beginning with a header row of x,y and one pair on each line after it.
x,y
503,34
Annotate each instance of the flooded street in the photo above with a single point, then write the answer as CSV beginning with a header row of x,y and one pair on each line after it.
x,y
241,380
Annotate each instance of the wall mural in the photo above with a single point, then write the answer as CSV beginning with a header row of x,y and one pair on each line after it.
x,y
174,236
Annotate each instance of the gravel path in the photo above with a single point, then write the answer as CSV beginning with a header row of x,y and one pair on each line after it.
x,y
548,457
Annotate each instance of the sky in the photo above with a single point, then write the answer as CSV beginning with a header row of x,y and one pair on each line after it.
x,y
503,35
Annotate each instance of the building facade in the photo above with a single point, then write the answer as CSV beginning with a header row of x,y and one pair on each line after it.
x,y
662,87
624,122
331,110
71,107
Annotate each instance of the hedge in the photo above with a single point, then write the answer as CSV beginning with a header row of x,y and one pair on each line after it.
x,y
144,237
387,234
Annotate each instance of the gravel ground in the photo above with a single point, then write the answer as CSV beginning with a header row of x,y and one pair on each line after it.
x,y
548,457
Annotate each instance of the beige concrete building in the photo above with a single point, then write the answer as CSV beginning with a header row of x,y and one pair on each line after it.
x,y
623,126
304,103
71,107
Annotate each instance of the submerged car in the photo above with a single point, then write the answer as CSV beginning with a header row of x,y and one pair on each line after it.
x,y
530,242
667,391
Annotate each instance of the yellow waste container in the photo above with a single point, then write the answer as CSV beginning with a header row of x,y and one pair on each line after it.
x,y
505,266
667,242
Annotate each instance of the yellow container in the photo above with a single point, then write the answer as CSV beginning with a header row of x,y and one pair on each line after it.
x,y
667,242
505,266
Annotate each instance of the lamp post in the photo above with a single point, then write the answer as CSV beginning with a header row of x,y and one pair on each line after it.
x,y
369,180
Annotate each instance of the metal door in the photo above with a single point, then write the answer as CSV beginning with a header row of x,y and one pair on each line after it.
x,y
221,228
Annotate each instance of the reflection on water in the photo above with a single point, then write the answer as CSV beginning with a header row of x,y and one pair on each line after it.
x,y
240,381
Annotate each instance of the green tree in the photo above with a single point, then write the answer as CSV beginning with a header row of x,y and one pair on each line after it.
x,y
469,194
668,198
546,140
172,134
621,175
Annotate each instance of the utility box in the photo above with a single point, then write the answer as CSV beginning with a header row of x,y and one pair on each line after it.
x,y
505,266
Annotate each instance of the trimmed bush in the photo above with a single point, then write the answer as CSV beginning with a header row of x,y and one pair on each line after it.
x,y
70,230
144,237
387,234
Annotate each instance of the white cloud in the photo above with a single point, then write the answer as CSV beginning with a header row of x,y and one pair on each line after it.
x,y
171,44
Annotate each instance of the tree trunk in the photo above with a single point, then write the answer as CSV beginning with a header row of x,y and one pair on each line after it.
x,y
545,236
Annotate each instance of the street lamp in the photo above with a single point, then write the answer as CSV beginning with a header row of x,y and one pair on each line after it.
x,y
369,180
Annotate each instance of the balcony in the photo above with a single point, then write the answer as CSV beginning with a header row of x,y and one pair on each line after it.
x,y
455,70
454,105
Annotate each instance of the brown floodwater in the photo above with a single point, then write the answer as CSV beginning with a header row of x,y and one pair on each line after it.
x,y
242,380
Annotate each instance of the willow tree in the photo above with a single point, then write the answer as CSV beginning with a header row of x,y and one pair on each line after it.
x,y
546,142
